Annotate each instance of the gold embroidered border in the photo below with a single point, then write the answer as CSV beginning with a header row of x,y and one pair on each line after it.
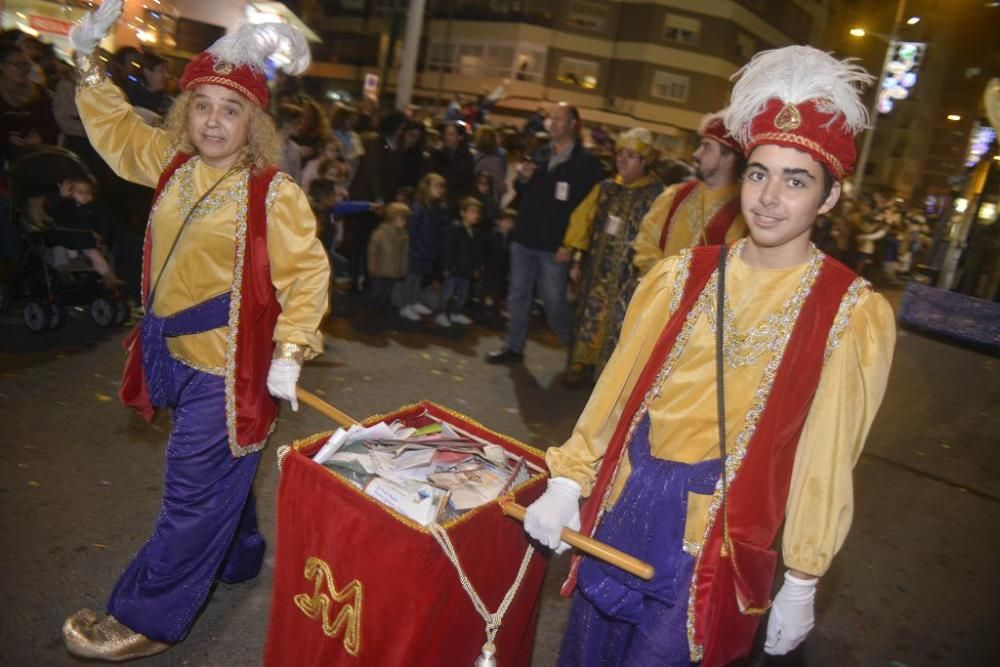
x,y
235,302
680,280
211,370
735,457
843,316
805,142
272,189
228,83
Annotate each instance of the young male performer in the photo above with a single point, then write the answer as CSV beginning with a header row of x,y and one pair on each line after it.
x,y
235,287
702,211
806,353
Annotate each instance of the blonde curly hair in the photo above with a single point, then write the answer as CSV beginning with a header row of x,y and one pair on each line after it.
x,y
262,149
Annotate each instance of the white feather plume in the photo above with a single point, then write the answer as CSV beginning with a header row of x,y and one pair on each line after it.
x,y
796,74
252,43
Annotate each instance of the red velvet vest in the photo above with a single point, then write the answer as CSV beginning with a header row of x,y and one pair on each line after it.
x,y
758,494
715,229
247,397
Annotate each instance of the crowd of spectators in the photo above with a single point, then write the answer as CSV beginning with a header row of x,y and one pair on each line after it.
x,y
481,201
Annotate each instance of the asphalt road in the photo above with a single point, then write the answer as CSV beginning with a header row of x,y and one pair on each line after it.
x,y
80,480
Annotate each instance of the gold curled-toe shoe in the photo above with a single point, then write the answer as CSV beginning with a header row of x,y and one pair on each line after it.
x,y
108,639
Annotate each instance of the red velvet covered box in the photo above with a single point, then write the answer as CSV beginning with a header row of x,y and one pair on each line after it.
x,y
356,583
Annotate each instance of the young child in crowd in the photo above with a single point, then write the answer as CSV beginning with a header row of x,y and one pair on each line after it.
x,y
428,227
461,263
496,260
388,256
78,223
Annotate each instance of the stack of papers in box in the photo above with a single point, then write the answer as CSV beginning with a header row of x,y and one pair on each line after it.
x,y
428,474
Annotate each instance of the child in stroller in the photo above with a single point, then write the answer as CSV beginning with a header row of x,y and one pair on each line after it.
x,y
77,223
51,197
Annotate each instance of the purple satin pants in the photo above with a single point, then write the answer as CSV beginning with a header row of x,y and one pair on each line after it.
x,y
207,527
620,619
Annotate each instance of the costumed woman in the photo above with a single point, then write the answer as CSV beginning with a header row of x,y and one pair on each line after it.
x,y
696,472
235,287
600,233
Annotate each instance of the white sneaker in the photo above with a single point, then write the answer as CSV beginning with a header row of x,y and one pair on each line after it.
x,y
408,313
420,309
442,320
459,318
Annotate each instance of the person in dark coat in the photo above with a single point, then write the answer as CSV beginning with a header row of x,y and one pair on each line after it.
x,y
454,161
375,180
427,225
550,186
462,259
496,260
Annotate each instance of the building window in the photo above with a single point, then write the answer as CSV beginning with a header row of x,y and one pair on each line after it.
x,y
476,59
587,15
470,59
576,72
683,29
441,58
668,86
530,65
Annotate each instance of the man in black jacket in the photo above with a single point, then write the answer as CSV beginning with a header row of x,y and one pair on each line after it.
x,y
549,188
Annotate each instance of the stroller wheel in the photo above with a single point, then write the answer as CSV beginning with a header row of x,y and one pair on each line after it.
x,y
102,311
57,316
36,316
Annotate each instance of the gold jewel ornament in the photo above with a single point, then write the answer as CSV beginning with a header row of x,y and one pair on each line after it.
x,y
222,67
788,118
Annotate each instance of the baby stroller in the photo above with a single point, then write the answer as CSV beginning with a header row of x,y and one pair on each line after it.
x,y
46,288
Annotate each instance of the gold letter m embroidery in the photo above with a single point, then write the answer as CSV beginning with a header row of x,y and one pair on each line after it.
x,y
318,605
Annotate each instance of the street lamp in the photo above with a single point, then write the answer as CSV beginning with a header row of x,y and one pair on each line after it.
x,y
866,146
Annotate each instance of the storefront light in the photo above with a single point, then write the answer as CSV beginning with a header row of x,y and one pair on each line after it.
x,y
961,204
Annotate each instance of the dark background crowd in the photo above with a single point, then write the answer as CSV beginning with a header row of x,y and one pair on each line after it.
x,y
454,174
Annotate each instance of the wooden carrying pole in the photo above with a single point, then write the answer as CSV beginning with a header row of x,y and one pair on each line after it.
x,y
586,544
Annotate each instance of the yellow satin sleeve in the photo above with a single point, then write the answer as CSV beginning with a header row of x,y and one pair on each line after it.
x,y
300,269
133,149
579,458
581,222
821,500
647,241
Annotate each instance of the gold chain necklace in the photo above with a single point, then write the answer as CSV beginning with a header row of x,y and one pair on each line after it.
x,y
745,347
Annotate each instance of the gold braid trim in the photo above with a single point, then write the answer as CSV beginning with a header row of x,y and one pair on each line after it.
x,y
228,83
805,142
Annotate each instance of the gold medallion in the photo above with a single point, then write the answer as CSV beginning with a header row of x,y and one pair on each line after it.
x,y
788,118
222,67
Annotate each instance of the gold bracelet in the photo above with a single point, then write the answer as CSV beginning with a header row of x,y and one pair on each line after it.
x,y
90,69
291,351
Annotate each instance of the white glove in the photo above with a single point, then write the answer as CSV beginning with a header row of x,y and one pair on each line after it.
x,y
556,509
95,26
281,380
792,615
